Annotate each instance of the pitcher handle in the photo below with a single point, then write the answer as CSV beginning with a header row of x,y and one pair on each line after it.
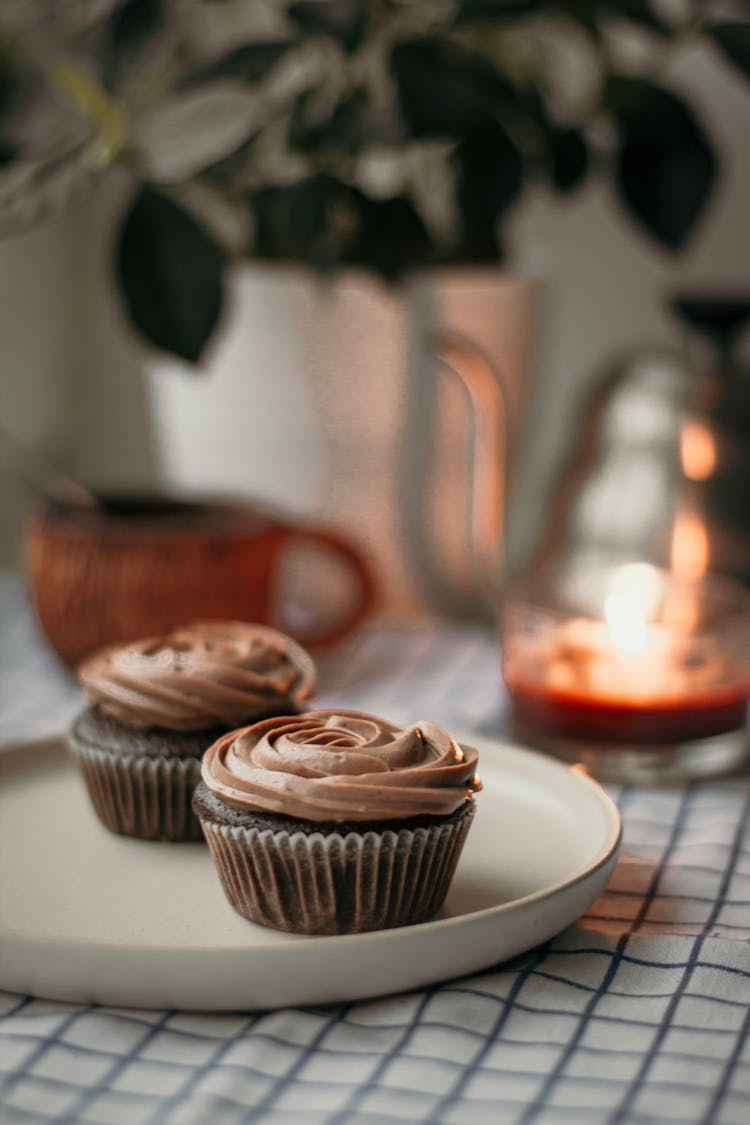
x,y
489,454
485,486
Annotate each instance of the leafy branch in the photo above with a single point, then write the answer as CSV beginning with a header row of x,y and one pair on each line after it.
x,y
383,133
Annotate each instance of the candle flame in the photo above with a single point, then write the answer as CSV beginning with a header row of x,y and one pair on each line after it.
x,y
636,592
641,583
626,624
697,451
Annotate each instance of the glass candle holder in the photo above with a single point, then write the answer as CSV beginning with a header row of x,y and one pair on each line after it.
x,y
629,671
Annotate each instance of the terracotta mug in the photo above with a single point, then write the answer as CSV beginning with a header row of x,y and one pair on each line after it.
x,y
139,565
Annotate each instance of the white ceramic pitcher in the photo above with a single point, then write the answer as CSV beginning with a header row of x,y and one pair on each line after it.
x,y
388,413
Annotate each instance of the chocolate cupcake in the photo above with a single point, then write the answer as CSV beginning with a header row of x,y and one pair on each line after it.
x,y
156,705
336,822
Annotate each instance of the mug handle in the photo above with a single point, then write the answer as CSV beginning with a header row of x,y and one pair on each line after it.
x,y
366,588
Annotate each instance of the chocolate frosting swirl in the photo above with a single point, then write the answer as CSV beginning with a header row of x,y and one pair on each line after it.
x,y
341,766
199,676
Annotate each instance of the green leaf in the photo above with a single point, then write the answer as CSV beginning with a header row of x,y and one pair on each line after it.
x,y
288,219
733,40
8,148
568,159
490,178
326,222
585,13
37,191
342,130
170,272
9,79
313,220
251,62
446,89
493,9
666,167
193,128
131,34
343,20
636,11
392,238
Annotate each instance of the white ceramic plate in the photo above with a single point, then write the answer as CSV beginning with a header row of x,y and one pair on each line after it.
x,y
89,916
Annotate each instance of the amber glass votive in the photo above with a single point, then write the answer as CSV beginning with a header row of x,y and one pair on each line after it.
x,y
629,671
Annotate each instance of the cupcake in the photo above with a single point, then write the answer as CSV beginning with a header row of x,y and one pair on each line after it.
x,y
336,822
156,705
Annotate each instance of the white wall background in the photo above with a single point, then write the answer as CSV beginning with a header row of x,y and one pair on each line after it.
x,y
75,384
41,335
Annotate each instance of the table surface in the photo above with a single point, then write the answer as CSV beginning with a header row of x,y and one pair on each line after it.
x,y
640,1012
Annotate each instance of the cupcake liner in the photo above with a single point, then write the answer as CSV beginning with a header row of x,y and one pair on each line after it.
x,y
149,798
328,883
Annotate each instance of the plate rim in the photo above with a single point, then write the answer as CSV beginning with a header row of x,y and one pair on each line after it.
x,y
516,750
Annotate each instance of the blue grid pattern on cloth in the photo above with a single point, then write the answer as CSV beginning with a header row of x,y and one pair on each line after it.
x,y
641,1012
585,1028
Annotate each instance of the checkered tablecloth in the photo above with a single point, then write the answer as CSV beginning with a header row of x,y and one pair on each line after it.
x,y
639,1013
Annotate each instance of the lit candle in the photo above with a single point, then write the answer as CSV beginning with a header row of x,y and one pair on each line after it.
x,y
651,660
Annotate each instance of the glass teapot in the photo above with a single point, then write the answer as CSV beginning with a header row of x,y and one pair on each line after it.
x,y
660,465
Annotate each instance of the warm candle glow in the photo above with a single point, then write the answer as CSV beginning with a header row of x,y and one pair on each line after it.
x,y
697,451
640,659
690,554
627,627
633,657
642,586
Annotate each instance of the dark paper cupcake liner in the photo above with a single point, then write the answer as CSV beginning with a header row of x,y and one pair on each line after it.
x,y
326,883
148,798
